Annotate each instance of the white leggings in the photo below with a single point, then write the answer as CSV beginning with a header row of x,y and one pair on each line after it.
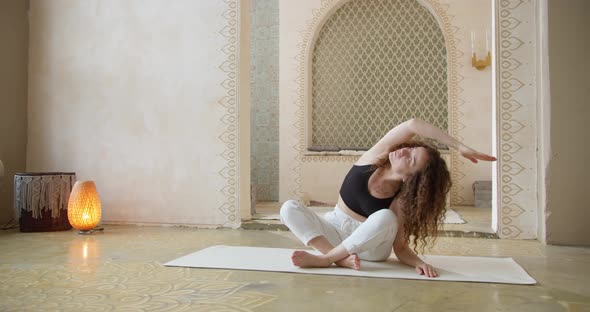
x,y
371,240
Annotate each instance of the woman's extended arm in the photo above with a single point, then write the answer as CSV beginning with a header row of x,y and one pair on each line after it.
x,y
427,130
408,129
407,256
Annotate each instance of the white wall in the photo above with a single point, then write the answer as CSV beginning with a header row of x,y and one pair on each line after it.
x,y
474,107
143,98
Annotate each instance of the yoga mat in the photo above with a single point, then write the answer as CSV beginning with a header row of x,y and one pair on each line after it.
x,y
452,217
450,268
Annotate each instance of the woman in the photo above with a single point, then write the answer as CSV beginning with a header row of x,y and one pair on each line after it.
x,y
395,193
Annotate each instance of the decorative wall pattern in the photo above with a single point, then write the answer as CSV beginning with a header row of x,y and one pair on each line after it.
x,y
516,116
375,65
303,60
313,159
455,100
264,99
230,104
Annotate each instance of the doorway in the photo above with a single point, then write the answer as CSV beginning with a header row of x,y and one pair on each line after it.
x,y
264,99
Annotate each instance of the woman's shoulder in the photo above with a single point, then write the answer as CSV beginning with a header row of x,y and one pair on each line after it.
x,y
362,164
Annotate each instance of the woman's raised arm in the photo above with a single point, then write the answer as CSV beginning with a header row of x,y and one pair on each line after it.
x,y
408,129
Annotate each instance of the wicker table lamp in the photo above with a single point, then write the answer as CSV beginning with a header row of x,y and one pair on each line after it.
x,y
84,209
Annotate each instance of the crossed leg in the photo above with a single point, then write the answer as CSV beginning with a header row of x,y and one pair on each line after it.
x,y
372,240
316,232
338,255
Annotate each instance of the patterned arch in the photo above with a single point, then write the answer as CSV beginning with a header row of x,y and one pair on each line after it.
x,y
376,64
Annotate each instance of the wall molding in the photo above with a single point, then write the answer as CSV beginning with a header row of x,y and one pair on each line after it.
x,y
230,105
516,116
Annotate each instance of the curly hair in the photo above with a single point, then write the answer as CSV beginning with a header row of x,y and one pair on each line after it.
x,y
422,197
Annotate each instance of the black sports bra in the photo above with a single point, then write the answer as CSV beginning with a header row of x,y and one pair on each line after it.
x,y
355,192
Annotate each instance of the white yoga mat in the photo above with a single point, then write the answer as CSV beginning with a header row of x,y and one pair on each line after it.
x,y
452,217
450,268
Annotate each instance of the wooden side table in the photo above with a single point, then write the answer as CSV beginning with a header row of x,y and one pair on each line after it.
x,y
41,200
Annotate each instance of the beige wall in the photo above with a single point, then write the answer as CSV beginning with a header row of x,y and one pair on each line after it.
x,y
568,200
142,97
13,102
323,176
474,109
303,176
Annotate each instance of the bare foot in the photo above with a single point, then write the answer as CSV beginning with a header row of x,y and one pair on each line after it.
x,y
304,259
351,262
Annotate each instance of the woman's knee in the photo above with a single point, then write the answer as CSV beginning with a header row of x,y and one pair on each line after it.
x,y
384,218
288,208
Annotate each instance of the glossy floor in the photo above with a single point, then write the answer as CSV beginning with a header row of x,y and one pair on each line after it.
x,y
120,270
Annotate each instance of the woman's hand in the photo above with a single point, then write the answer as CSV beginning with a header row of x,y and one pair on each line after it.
x,y
474,155
426,269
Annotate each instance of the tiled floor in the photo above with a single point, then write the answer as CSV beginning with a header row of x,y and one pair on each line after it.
x,y
120,270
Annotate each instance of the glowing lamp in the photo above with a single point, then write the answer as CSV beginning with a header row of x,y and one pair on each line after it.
x,y
84,207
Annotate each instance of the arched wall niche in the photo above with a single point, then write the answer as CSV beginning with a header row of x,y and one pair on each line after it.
x,y
374,65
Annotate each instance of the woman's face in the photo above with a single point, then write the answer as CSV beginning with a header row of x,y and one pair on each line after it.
x,y
408,161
